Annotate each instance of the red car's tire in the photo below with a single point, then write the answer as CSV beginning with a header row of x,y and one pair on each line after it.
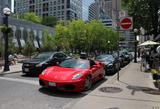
x,y
88,83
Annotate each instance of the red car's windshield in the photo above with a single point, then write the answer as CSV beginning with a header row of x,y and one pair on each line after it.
x,y
75,63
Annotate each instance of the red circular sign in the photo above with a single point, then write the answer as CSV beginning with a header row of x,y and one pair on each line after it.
x,y
126,23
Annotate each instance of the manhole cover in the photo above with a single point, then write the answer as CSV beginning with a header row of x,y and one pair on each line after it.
x,y
110,89
113,108
152,91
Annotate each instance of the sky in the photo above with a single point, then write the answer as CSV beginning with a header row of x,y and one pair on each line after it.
x,y
85,5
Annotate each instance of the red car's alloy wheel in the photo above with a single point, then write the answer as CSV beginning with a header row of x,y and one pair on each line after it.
x,y
88,83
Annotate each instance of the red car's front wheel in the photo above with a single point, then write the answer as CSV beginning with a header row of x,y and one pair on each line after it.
x,y
88,83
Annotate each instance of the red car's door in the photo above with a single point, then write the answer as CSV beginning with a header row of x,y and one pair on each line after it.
x,y
95,69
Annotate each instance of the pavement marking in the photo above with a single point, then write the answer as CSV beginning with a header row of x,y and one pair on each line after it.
x,y
21,80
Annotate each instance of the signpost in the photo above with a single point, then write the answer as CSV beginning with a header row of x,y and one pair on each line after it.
x,y
126,23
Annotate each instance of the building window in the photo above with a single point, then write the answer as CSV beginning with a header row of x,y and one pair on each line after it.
x,y
59,7
62,6
62,1
54,8
59,2
50,9
62,12
59,13
54,2
45,6
45,14
68,3
54,13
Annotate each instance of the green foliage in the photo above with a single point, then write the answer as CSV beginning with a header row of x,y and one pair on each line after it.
x,y
88,37
158,81
145,14
48,42
63,22
12,48
4,29
76,55
29,47
32,17
49,21
11,45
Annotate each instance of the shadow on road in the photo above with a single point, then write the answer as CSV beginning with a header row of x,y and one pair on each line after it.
x,y
57,93
98,83
29,75
144,89
147,90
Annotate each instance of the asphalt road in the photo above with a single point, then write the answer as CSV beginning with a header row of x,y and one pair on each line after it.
x,y
18,91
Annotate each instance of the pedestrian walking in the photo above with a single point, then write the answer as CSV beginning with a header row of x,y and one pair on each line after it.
x,y
143,66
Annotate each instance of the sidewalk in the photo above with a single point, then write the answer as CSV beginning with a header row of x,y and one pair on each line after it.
x,y
135,90
13,69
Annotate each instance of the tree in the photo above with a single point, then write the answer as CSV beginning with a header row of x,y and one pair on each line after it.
x,y
32,17
12,48
48,42
145,14
49,21
87,37
62,38
29,47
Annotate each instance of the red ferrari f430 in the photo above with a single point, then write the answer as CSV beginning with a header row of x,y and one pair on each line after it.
x,y
72,75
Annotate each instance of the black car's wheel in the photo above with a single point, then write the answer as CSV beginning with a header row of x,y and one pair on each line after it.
x,y
88,83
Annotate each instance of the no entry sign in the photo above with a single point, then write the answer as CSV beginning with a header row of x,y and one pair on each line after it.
x,y
126,23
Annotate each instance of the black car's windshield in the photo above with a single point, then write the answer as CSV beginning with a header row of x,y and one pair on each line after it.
x,y
104,58
43,56
75,63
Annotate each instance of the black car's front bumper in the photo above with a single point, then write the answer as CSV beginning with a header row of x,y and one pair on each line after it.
x,y
109,69
32,69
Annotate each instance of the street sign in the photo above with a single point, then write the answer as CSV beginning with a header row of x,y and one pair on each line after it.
x,y
126,23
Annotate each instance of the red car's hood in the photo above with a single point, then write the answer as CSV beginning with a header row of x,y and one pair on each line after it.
x,y
61,74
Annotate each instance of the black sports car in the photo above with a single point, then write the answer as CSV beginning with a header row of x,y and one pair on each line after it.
x,y
111,64
41,61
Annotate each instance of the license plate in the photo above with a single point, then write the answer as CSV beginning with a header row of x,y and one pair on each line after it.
x,y
52,84
26,69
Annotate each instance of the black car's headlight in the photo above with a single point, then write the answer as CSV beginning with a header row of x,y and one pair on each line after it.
x,y
110,64
27,65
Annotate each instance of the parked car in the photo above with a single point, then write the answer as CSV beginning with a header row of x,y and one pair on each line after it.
x,y
72,75
83,55
111,64
119,58
41,61
127,56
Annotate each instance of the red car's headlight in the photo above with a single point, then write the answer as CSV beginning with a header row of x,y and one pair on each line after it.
x,y
77,76
43,72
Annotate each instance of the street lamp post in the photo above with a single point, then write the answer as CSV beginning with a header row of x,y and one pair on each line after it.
x,y
6,12
135,43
